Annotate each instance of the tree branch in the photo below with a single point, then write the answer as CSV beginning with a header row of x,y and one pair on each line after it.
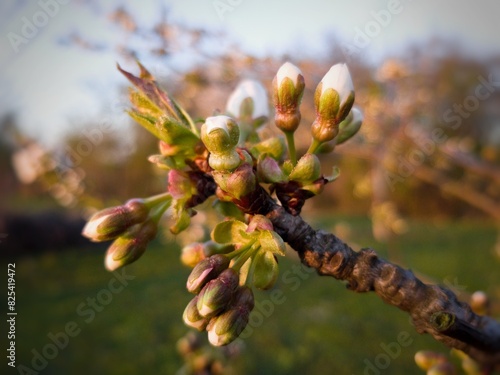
x,y
364,271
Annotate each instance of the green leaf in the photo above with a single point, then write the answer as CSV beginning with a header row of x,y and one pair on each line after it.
x,y
231,231
271,241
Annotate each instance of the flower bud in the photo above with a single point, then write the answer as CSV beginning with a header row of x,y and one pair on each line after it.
x,y
274,147
220,134
308,169
225,328
180,185
130,246
426,359
244,298
241,182
480,303
269,171
218,293
333,100
350,126
192,254
266,270
192,317
259,222
208,269
109,223
248,100
288,88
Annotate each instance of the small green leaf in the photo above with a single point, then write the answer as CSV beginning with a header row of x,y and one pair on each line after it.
x,y
271,241
231,231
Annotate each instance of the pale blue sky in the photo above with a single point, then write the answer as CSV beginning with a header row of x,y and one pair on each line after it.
x,y
54,87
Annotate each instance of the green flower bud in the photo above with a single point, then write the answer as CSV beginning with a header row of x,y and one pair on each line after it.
x,y
426,359
111,222
274,147
333,100
350,126
208,269
471,367
241,182
266,270
192,317
193,254
259,222
308,169
288,88
225,328
220,134
218,293
269,171
244,298
131,245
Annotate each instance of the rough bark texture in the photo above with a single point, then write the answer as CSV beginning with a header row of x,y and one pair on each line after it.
x,y
434,310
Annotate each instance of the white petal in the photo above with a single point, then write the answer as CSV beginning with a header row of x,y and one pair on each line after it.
x,y
214,338
90,229
288,70
217,122
339,79
357,115
249,89
110,263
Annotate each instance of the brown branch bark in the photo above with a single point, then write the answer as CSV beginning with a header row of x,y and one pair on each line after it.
x,y
434,309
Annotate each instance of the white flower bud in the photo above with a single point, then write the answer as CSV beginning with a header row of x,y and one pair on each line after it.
x,y
288,70
248,89
339,79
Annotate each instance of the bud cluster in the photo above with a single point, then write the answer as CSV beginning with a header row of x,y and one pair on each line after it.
x,y
132,226
221,306
223,303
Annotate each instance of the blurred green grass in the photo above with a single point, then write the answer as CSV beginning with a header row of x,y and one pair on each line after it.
x,y
318,328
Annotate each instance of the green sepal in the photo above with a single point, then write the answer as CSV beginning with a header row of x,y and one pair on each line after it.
x,y
231,231
265,271
271,241
308,169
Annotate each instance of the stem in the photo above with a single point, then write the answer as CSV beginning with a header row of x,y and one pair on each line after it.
x,y
314,146
242,259
158,211
157,199
291,147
